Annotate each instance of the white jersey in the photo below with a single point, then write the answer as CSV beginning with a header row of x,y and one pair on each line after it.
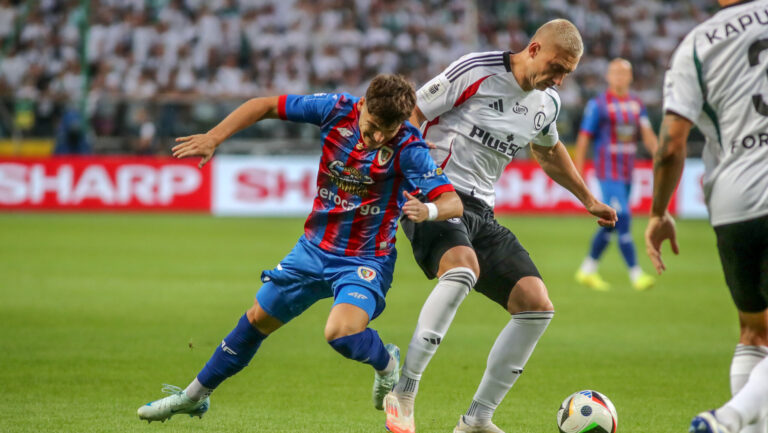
x,y
479,117
718,80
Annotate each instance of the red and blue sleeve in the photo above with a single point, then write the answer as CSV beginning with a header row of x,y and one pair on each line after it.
x,y
591,120
421,172
313,109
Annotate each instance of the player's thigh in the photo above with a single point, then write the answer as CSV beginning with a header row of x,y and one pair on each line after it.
x,y
504,262
295,284
744,257
430,240
361,281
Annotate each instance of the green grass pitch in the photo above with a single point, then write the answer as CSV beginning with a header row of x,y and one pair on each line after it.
x,y
98,311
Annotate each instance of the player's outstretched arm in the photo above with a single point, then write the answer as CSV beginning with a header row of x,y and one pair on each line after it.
x,y
668,165
556,162
447,205
204,145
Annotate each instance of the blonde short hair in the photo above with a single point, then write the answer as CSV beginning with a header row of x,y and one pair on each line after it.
x,y
563,34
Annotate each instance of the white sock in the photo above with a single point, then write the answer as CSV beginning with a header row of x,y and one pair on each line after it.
x,y
435,318
589,265
196,391
506,361
751,402
635,272
745,358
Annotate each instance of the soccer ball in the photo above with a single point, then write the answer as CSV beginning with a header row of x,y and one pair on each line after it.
x,y
587,412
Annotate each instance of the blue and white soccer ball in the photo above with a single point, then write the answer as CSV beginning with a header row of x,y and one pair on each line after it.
x,y
587,412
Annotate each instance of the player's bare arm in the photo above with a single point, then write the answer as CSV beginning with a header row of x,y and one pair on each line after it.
x,y
580,153
667,168
556,162
417,117
447,205
204,145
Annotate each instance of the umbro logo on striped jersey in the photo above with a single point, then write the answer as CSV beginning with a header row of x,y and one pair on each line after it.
x,y
497,105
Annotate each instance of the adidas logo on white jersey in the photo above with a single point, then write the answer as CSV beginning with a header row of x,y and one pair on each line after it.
x,y
497,105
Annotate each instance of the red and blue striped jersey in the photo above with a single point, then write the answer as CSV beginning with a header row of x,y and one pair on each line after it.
x,y
614,124
360,192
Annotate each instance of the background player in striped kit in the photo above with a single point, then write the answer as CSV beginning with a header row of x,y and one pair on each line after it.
x,y
717,81
475,137
614,120
370,158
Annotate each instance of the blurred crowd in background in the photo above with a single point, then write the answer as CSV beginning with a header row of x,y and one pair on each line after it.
x,y
99,72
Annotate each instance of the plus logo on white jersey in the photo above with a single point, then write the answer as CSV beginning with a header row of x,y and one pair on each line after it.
x,y
478,118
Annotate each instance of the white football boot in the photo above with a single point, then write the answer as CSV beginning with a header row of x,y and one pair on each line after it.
x,y
177,402
399,419
383,384
463,427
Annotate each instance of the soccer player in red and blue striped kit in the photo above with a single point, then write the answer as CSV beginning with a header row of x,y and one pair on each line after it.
x,y
371,159
614,120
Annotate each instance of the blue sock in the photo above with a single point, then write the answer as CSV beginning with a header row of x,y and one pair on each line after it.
x,y
232,355
365,347
626,244
600,241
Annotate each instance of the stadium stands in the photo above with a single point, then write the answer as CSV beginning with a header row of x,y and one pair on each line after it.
x,y
189,62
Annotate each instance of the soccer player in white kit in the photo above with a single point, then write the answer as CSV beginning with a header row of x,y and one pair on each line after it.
x,y
479,113
717,81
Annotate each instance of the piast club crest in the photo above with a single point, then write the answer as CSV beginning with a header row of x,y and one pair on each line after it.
x,y
349,179
384,155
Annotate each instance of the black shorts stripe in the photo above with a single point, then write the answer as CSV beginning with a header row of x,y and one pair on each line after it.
x,y
473,66
470,60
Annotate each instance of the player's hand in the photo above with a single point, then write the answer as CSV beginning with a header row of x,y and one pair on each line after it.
x,y
659,229
414,209
430,144
606,215
201,145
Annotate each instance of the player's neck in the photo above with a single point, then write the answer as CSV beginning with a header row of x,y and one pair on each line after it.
x,y
619,93
517,65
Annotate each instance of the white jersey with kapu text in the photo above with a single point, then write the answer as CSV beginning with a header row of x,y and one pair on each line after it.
x,y
718,80
479,117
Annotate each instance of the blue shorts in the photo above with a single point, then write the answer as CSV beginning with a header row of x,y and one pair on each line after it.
x,y
616,195
309,273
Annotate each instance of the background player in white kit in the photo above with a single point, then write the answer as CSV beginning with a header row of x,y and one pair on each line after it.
x,y
480,111
717,80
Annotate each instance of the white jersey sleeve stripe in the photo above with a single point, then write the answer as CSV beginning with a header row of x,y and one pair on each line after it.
x,y
473,65
451,73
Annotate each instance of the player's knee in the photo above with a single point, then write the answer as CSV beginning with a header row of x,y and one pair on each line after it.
x,y
261,320
754,328
459,257
336,330
529,294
